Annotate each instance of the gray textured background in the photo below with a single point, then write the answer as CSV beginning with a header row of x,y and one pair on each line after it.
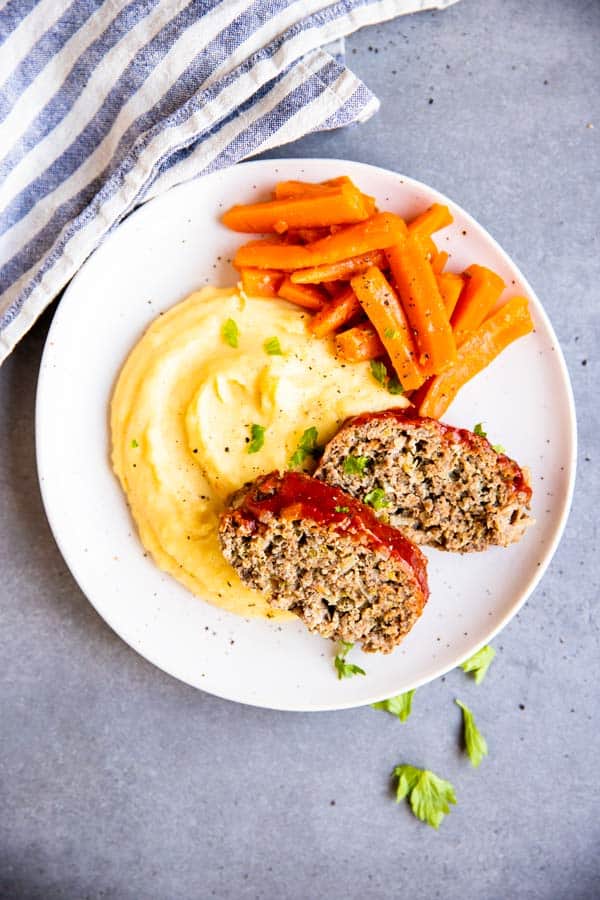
x,y
117,781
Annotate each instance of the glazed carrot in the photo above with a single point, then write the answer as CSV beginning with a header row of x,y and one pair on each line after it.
x,y
481,293
439,261
335,206
423,305
261,282
380,231
429,249
450,286
346,268
305,295
306,235
382,306
286,189
434,218
335,313
510,322
359,343
333,288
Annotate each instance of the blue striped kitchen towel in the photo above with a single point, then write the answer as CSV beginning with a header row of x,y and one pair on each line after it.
x,y
106,103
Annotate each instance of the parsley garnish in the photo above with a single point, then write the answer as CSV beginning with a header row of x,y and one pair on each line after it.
x,y
342,509
391,333
134,444
344,669
355,465
479,663
273,347
257,434
394,386
498,448
376,498
230,332
475,742
430,796
378,371
399,706
380,374
307,446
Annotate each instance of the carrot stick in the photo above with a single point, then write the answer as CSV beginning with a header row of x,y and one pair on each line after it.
x,y
335,206
481,293
335,313
333,289
439,261
261,282
305,295
382,306
510,322
306,235
423,305
359,343
346,268
434,218
286,189
450,286
380,231
428,247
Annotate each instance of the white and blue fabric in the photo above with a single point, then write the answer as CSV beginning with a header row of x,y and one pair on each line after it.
x,y
104,104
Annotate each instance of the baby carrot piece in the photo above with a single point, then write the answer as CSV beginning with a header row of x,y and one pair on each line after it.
x,y
439,261
305,295
359,344
450,286
379,301
482,292
480,347
434,218
346,268
335,206
423,305
380,231
261,282
335,313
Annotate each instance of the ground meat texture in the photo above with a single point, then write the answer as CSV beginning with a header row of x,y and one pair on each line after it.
x,y
442,486
326,557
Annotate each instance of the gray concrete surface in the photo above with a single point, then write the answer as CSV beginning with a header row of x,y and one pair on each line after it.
x,y
118,782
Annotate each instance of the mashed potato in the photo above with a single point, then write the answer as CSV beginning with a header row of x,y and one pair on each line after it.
x,y
181,419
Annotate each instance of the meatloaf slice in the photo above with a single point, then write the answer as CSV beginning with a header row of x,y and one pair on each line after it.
x,y
326,557
442,486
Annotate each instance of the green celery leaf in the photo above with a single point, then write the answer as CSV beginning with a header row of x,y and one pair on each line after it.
x,y
257,434
273,347
399,706
230,332
479,663
355,465
429,795
475,742
376,498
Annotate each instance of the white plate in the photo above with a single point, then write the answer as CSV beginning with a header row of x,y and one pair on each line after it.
x,y
161,253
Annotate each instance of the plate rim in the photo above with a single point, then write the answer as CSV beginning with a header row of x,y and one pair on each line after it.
x,y
570,464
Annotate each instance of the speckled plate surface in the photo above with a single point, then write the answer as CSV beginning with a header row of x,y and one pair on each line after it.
x,y
161,253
